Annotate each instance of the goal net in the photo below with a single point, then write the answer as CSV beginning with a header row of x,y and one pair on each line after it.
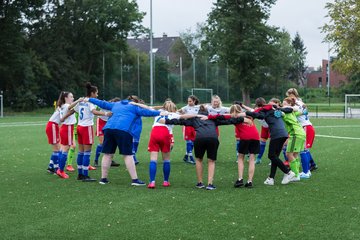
x,y
1,106
203,94
352,105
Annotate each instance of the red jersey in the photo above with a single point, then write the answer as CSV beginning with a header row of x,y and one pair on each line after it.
x,y
246,132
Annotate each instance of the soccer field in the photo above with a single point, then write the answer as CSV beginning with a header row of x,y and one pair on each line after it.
x,y
36,205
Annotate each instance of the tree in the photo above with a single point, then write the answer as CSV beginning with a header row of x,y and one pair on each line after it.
x,y
299,58
343,31
237,33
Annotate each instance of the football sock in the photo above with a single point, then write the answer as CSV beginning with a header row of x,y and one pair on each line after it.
x,y
71,155
189,147
62,161
294,167
98,152
79,160
305,161
152,170
262,149
311,160
135,147
237,147
284,152
86,163
166,170
52,157
56,160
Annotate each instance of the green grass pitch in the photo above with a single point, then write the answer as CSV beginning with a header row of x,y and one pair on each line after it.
x,y
36,205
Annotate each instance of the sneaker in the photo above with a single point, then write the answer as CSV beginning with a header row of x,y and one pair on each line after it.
x,y
80,177
288,177
239,183
104,181
151,185
304,175
269,181
200,185
248,185
51,171
186,158
70,168
191,160
88,179
166,184
258,161
114,164
62,174
91,168
210,187
313,168
296,178
137,182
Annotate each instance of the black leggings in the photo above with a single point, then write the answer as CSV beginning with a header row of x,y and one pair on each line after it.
x,y
275,148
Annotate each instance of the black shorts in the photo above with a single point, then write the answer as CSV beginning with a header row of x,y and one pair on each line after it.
x,y
249,146
208,145
114,138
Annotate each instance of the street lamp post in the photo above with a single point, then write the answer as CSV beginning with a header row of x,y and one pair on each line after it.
x,y
151,58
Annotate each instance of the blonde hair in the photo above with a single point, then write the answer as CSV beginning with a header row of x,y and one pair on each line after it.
x,y
169,106
290,101
216,97
235,109
292,91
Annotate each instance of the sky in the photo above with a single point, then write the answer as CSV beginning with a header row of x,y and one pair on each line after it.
x,y
304,16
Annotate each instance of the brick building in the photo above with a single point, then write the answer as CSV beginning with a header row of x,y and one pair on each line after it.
x,y
319,79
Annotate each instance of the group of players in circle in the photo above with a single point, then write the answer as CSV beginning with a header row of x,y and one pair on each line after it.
x,y
119,126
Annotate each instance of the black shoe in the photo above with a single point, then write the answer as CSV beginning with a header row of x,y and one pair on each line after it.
x,y
51,171
114,164
186,158
239,183
248,185
313,168
80,177
96,164
104,181
88,179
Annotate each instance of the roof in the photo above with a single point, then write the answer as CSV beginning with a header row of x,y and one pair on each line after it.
x,y
162,44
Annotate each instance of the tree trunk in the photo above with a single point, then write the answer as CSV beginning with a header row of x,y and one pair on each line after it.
x,y
246,96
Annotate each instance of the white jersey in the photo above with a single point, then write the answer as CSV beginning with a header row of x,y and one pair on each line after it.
x,y
217,111
55,117
190,109
170,116
104,118
70,120
86,117
303,119
263,123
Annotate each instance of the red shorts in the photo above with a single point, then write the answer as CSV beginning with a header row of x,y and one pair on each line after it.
x,y
310,136
189,133
99,127
265,133
67,135
52,132
85,135
160,140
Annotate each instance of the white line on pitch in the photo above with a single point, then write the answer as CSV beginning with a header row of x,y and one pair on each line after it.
x,y
338,137
339,126
23,125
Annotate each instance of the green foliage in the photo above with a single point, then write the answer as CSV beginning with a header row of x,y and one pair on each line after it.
x,y
47,46
343,32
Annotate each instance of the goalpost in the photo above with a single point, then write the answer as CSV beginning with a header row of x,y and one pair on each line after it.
x,y
203,94
1,106
352,105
